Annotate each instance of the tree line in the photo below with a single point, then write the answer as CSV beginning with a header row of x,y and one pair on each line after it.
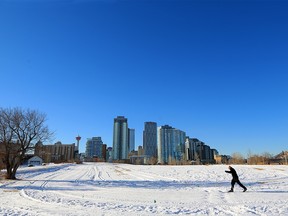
x,y
258,159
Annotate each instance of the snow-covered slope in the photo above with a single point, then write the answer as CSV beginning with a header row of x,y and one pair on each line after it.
x,y
122,189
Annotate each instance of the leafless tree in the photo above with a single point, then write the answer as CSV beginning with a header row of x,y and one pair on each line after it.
x,y
267,157
152,161
197,159
260,159
237,158
19,130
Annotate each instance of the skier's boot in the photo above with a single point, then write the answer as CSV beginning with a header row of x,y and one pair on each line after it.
x,y
245,189
230,190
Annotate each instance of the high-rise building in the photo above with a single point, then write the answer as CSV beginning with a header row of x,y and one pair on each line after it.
x,y
150,139
197,151
191,149
120,138
131,135
171,144
94,147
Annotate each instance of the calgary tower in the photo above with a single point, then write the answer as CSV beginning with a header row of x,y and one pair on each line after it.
x,y
78,138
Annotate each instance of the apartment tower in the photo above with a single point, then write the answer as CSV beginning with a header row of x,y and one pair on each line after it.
x,y
131,135
171,144
150,139
94,147
120,138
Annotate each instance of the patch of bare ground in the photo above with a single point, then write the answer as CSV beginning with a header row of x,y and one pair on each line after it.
x,y
258,168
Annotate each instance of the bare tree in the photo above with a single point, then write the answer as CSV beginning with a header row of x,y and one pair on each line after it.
x,y
19,130
249,156
6,138
237,158
198,159
152,161
267,157
172,160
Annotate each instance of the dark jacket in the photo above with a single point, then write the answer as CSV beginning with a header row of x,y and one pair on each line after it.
x,y
234,174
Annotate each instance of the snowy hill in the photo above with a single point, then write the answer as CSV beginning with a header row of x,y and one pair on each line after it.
x,y
122,189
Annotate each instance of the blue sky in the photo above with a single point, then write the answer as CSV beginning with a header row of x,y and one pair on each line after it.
x,y
217,70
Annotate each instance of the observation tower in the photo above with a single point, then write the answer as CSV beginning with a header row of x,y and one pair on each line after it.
x,y
78,138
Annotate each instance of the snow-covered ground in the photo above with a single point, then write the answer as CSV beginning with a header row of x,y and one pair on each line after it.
x,y
122,189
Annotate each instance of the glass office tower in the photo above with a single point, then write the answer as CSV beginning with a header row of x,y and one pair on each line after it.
x,y
150,139
131,135
94,147
171,144
120,138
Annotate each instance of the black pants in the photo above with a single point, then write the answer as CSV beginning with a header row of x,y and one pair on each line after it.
x,y
238,182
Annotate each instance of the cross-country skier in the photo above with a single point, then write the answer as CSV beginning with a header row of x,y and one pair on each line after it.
x,y
235,179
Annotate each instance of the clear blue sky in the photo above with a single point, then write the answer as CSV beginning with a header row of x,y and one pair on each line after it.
x,y
217,70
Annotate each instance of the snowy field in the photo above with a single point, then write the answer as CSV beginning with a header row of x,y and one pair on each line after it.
x,y
122,189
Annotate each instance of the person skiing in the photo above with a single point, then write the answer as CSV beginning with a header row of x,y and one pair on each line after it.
x,y
235,179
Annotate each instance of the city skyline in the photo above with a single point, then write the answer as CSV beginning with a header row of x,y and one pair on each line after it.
x,y
249,151
214,69
163,144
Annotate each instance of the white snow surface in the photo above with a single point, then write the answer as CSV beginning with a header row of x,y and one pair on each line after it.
x,y
123,189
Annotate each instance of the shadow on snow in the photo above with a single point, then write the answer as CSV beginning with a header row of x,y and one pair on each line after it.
x,y
88,185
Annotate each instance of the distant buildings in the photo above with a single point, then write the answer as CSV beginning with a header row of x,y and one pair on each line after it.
x,y
171,144
191,149
164,145
198,152
120,138
94,148
55,153
150,139
205,153
131,136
